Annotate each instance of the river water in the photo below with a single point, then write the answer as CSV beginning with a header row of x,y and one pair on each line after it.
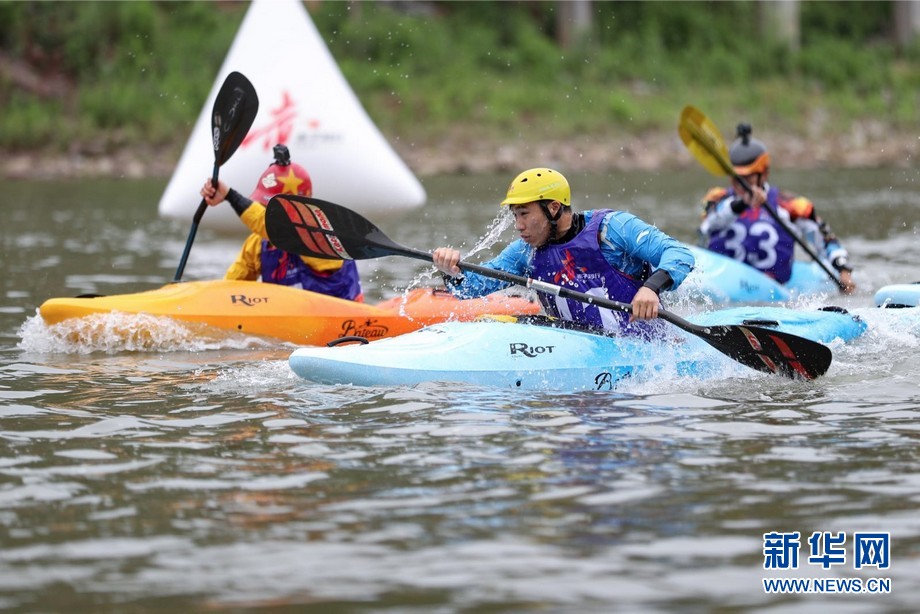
x,y
195,472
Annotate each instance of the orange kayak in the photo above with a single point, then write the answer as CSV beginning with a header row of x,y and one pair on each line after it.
x,y
289,314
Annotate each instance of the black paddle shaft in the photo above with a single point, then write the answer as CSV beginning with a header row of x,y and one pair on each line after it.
x,y
313,227
235,108
791,232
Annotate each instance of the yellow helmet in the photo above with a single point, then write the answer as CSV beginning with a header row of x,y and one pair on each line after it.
x,y
538,184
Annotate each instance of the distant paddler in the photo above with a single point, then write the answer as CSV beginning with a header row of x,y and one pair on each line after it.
x,y
258,258
753,221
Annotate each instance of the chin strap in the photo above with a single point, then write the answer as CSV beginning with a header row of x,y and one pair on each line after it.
x,y
553,219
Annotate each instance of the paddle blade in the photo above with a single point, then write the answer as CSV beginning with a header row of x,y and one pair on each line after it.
x,y
320,229
235,109
771,351
704,141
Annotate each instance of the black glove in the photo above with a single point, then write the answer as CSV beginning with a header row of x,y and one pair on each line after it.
x,y
239,202
738,206
842,264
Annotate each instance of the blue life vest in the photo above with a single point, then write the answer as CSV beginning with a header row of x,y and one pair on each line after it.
x,y
758,240
286,269
580,265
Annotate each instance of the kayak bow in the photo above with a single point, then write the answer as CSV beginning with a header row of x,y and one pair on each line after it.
x,y
285,313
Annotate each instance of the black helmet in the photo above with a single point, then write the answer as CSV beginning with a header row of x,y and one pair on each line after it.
x,y
749,156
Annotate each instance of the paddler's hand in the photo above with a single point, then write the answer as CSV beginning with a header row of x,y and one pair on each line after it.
x,y
214,196
446,259
756,198
644,305
846,280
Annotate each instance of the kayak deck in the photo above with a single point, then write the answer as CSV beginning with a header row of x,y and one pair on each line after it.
x,y
522,355
721,279
502,354
285,313
898,295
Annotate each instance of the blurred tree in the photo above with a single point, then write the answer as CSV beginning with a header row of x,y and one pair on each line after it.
x,y
573,22
906,22
779,21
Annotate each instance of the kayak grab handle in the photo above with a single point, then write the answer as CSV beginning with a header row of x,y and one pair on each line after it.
x,y
756,322
348,339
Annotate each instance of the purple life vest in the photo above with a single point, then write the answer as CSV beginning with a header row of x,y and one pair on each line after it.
x,y
286,269
580,265
758,240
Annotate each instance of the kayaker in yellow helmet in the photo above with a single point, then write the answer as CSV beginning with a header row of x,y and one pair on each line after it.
x,y
259,258
735,224
605,252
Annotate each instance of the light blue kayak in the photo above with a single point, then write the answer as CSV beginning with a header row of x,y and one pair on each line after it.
x,y
725,280
898,295
539,357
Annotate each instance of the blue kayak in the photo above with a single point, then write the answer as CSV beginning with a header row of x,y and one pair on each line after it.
x,y
725,280
544,357
898,295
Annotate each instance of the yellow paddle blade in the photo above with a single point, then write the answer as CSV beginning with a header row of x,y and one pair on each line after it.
x,y
704,141
496,317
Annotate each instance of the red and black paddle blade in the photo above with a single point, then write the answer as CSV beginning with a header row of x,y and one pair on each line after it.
x,y
313,227
770,351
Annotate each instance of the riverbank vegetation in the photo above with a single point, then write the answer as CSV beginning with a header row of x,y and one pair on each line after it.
x,y
97,77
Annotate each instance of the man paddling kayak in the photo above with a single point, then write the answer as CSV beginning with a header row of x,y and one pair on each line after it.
x,y
735,223
258,257
609,253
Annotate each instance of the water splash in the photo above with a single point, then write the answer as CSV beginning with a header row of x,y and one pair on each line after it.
x,y
499,224
112,333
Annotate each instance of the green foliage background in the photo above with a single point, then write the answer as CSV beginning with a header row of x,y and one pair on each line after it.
x,y
137,73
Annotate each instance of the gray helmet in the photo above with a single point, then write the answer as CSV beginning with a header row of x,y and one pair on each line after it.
x,y
749,156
